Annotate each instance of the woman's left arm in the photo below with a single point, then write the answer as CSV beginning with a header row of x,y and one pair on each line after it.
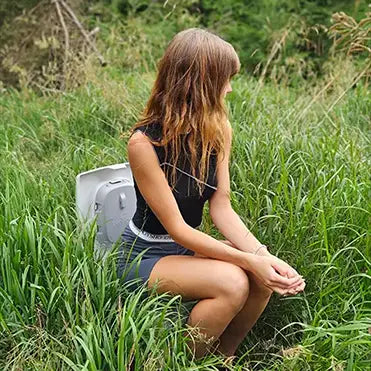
x,y
222,214
229,223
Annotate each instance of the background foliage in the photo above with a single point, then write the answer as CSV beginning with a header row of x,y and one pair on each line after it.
x,y
291,36
300,111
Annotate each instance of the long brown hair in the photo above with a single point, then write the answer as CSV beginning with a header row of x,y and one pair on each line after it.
x,y
187,98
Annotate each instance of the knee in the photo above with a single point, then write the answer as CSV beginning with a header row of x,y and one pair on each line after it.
x,y
235,286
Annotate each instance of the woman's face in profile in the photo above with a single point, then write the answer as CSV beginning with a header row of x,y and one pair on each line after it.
x,y
227,88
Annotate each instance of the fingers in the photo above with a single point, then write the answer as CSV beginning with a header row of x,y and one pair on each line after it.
x,y
278,290
283,292
284,281
292,273
298,284
296,290
284,269
292,290
285,276
284,286
301,287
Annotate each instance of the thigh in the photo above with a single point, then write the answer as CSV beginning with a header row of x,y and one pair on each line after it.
x,y
256,286
197,277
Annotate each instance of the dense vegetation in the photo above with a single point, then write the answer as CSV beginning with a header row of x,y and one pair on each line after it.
x,y
300,180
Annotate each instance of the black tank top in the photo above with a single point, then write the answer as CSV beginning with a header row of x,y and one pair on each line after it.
x,y
186,191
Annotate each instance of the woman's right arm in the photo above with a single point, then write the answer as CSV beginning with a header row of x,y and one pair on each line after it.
x,y
154,188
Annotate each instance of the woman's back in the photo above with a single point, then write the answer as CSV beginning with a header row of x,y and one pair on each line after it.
x,y
185,192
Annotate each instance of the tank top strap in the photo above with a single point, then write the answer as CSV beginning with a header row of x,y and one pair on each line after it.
x,y
153,130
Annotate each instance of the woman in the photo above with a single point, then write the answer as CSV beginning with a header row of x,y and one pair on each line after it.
x,y
179,155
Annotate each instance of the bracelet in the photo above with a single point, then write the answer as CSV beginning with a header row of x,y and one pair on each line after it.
x,y
256,251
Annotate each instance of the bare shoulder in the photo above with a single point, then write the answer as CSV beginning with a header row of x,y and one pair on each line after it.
x,y
140,150
138,138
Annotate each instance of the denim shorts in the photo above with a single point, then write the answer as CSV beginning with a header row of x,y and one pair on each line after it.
x,y
139,251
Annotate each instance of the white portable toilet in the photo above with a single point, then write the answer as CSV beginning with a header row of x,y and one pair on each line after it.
x,y
108,194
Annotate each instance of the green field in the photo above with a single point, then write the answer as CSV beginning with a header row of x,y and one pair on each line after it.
x,y
300,178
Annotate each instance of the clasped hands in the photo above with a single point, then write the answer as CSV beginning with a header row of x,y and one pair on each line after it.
x,y
276,274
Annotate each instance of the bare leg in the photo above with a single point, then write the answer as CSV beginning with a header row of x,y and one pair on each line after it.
x,y
210,317
243,322
222,287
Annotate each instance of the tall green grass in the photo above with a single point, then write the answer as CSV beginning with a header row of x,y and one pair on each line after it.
x,y
300,181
